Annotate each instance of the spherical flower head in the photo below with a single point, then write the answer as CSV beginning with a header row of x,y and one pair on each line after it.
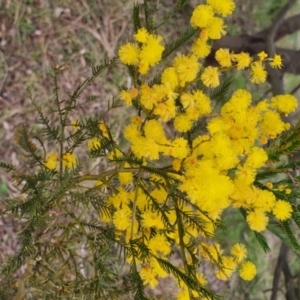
x,y
276,62
151,52
224,7
239,252
103,128
202,102
51,161
128,96
210,77
248,271
142,35
69,160
216,29
152,219
223,57
285,103
122,219
242,60
170,78
272,124
180,148
256,158
125,177
262,55
186,68
154,130
258,73
129,54
202,16
182,123
200,48
257,220
93,143
282,210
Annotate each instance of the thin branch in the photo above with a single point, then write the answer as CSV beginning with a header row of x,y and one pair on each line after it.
x,y
276,76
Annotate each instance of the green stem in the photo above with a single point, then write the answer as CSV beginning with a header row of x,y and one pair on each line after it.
x,y
182,246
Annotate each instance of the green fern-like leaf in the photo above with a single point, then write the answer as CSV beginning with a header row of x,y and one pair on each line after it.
x,y
262,241
136,17
6,166
285,233
185,36
220,92
190,282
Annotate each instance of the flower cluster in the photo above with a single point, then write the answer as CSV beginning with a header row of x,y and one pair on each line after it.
x,y
192,150
211,171
69,160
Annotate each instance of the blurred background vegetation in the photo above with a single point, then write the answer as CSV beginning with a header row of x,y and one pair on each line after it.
x,y
35,34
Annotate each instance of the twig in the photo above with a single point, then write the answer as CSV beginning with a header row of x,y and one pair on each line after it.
x,y
275,76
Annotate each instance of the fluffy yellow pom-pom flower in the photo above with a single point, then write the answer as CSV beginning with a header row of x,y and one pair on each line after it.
x,y
224,7
248,271
51,161
239,252
210,77
129,54
257,220
142,35
282,210
223,57
69,160
258,73
202,16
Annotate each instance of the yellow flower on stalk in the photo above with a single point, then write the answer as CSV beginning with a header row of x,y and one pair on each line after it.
x,y
93,143
262,55
142,35
129,54
224,7
276,62
226,268
125,177
122,219
242,60
216,29
51,161
128,96
148,277
239,252
272,124
257,220
258,73
256,158
202,16
150,53
154,130
186,67
170,77
200,48
223,57
282,210
210,77
152,219
69,160
182,123
285,103
248,271
103,129
159,245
